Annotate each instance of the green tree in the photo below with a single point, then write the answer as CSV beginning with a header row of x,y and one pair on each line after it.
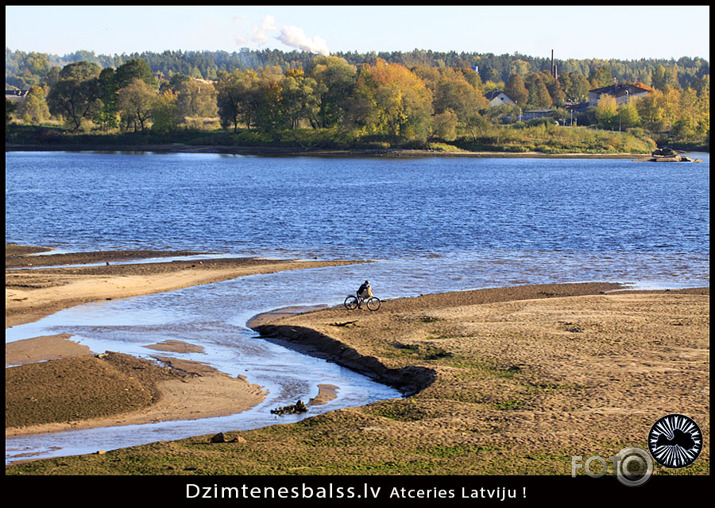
x,y
81,71
238,98
538,93
444,125
195,98
271,117
52,77
228,99
174,82
657,77
702,111
661,77
33,109
136,104
335,82
601,76
32,70
556,92
75,97
10,109
576,87
108,114
299,98
670,102
454,92
516,90
135,68
650,112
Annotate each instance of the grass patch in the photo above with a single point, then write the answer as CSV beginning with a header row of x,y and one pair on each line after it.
x,y
508,405
407,410
418,351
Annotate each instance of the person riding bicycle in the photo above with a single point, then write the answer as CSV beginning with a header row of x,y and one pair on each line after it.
x,y
365,291
362,295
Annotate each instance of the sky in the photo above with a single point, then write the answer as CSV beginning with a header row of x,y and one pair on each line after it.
x,y
605,32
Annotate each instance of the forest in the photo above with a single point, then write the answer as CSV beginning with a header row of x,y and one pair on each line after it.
x,y
419,99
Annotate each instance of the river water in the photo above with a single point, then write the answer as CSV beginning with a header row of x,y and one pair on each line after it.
x,y
431,225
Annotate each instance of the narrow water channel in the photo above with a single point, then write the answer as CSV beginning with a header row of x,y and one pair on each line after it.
x,y
212,316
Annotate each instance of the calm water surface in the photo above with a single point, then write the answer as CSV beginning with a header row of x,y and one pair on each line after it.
x,y
431,224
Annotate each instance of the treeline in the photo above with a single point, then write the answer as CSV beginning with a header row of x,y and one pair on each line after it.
x,y
23,69
324,98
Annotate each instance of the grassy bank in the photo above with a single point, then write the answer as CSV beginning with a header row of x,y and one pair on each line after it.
x,y
518,139
511,381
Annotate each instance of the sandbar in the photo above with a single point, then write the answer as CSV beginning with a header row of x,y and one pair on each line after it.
x,y
197,391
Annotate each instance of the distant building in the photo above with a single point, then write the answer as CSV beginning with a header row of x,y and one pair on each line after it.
x,y
497,98
623,93
538,113
576,107
15,94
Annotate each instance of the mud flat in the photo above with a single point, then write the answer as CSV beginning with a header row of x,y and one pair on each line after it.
x,y
54,384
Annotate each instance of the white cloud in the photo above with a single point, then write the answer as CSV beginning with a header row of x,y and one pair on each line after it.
x,y
269,29
295,37
268,24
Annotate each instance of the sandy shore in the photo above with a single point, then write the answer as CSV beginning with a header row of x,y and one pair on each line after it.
x,y
192,390
32,294
515,379
545,371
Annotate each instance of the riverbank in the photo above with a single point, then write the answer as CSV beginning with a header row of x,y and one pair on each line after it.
x,y
31,294
105,389
508,381
276,151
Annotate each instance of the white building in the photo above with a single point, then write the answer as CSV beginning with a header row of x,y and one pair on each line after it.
x,y
497,98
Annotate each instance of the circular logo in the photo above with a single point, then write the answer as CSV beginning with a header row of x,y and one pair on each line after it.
x,y
633,466
675,441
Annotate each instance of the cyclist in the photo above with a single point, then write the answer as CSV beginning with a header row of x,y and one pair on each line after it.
x,y
364,292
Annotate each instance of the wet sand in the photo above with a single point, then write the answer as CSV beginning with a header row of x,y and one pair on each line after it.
x,y
552,370
192,391
31,294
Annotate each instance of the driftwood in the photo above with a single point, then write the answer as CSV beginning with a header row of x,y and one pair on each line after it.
x,y
298,407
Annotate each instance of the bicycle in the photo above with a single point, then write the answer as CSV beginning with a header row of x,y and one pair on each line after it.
x,y
352,302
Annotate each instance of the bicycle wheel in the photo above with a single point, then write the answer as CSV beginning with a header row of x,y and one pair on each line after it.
x,y
374,303
351,302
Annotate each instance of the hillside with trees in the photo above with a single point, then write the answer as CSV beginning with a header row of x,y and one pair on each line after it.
x,y
418,99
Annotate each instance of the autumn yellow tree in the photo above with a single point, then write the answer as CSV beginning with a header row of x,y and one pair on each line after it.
x,y
607,112
628,115
454,92
165,113
392,101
